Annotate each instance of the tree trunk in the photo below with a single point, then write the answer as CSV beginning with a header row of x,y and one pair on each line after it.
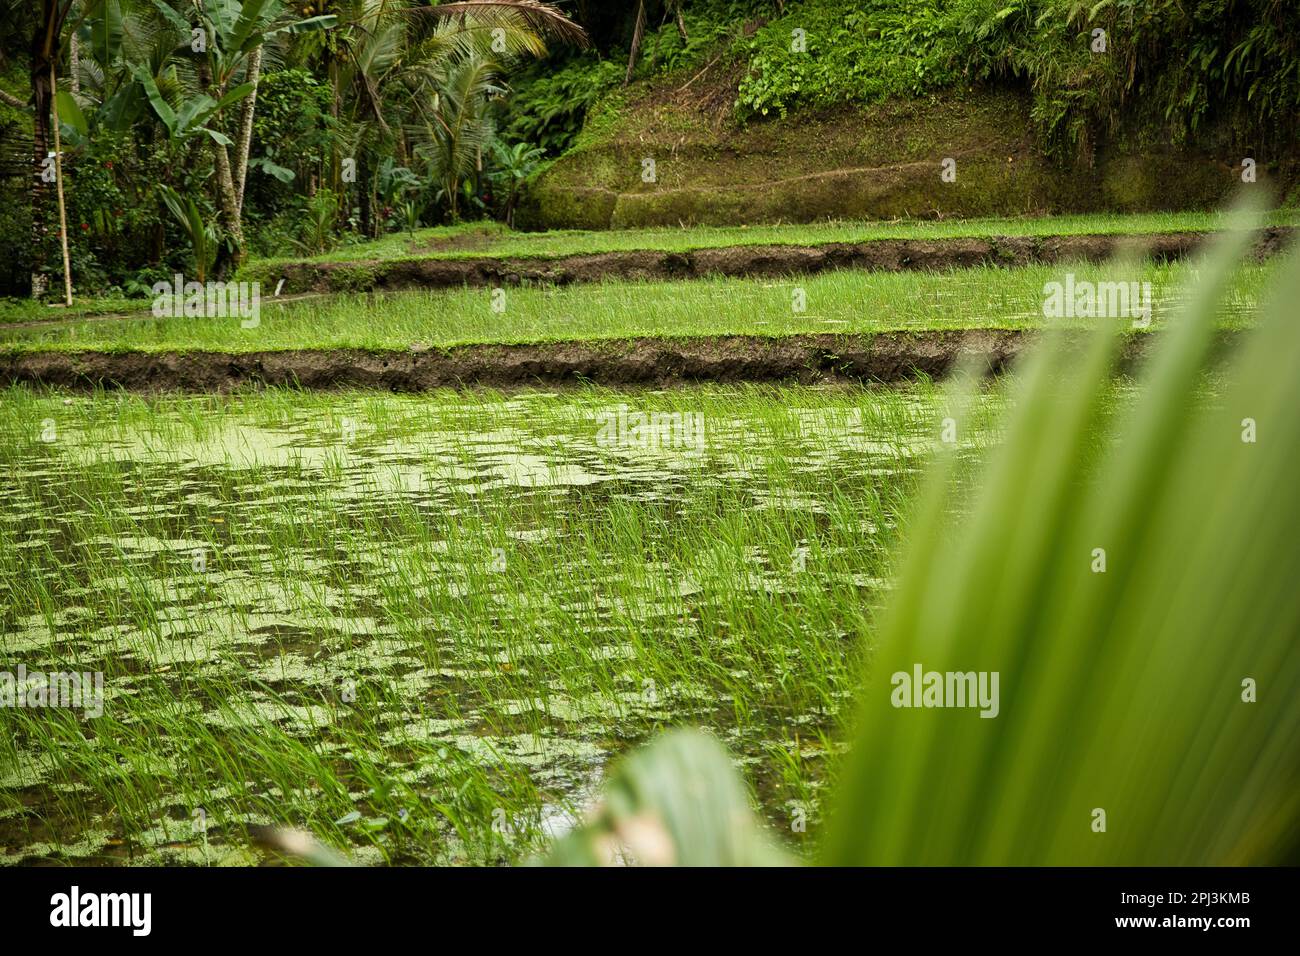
x,y
40,188
681,23
74,64
363,184
510,204
244,137
637,33
336,171
228,259
336,159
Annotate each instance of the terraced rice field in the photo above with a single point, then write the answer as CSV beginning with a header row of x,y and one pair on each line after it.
x,y
420,626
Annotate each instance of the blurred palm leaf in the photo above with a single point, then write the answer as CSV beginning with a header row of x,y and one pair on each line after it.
x,y
1121,690
675,802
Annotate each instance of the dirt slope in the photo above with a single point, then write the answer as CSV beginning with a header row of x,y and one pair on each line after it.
x,y
875,163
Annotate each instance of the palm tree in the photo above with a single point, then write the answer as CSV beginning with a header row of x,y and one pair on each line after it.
x,y
415,80
458,126
515,164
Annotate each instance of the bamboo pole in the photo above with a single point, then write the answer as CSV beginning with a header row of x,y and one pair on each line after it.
x,y
58,182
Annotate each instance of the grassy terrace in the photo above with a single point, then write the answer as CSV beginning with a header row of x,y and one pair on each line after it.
x,y
841,302
494,240
469,241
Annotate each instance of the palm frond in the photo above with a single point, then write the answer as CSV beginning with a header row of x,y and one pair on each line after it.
x,y
675,802
543,19
1122,735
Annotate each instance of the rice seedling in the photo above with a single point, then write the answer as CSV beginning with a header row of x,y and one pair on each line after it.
x,y
479,239
419,627
829,303
1128,573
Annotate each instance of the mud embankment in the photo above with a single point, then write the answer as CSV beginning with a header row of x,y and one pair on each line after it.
x,y
884,255
886,357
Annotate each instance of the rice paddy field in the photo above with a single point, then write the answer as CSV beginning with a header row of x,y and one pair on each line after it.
x,y
396,474
836,302
495,239
421,626
425,628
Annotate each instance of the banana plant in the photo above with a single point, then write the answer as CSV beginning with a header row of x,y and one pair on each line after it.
x,y
203,234
224,44
190,117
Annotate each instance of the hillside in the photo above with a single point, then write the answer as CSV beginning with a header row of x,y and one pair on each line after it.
x,y
860,125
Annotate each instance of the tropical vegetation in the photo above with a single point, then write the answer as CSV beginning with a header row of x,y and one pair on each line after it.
x,y
193,134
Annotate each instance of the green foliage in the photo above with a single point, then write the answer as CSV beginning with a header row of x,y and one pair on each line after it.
x,y
410,213
316,223
854,54
116,224
354,82
189,117
551,104
513,166
395,181
292,132
709,27
199,228
1169,70
15,247
292,128
552,98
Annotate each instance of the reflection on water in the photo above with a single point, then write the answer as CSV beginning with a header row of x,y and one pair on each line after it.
x,y
432,586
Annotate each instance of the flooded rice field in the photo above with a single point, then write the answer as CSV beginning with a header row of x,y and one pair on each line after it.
x,y
421,626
